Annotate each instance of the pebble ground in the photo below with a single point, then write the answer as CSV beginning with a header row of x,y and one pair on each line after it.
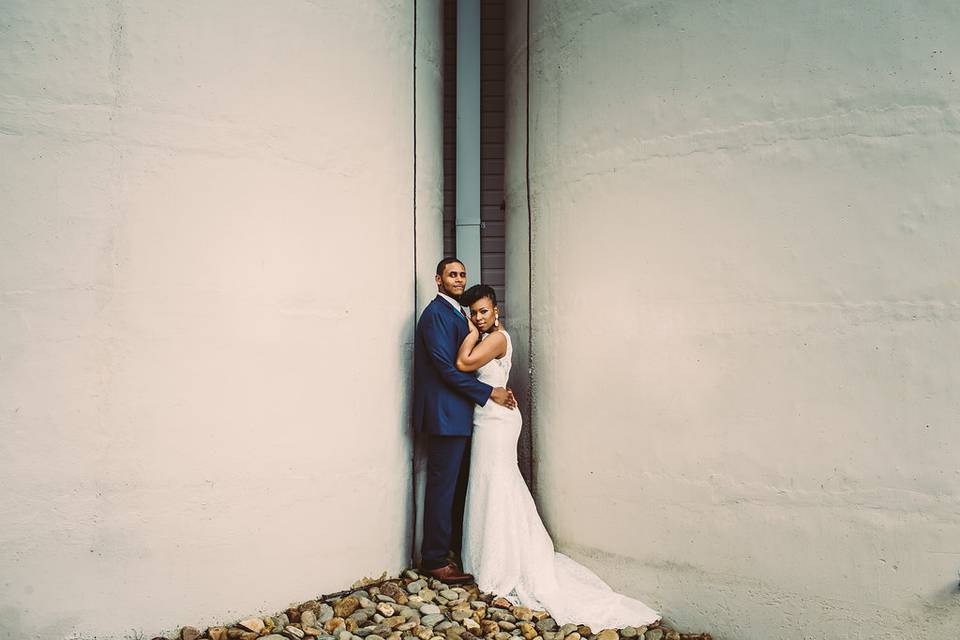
x,y
415,607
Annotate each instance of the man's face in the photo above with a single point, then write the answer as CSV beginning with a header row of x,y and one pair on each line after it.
x,y
453,280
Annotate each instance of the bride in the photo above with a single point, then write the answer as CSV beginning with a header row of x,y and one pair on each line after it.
x,y
505,544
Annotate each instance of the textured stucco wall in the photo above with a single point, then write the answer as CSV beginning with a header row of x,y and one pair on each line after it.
x,y
746,226
206,303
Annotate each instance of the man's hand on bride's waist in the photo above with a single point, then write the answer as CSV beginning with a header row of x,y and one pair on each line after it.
x,y
504,397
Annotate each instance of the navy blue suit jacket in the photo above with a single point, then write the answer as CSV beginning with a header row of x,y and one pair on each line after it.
x,y
443,396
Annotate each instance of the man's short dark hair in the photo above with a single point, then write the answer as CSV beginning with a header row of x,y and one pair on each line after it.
x,y
443,264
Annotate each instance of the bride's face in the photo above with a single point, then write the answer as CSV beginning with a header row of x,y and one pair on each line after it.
x,y
483,314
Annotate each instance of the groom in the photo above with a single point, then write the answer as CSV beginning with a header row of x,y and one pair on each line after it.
x,y
443,401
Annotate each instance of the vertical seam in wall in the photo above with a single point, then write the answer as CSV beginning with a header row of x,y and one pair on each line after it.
x,y
530,373
413,443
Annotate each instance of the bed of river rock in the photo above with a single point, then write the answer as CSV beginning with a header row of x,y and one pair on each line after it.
x,y
415,607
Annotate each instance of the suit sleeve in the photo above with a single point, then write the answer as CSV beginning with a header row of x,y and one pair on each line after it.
x,y
441,346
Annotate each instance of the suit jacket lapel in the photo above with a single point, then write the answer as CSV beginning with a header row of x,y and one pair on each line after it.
x,y
446,305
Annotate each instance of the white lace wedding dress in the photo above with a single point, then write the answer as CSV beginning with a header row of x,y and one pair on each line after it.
x,y
505,545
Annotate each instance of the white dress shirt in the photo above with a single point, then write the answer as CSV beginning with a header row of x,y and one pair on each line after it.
x,y
454,303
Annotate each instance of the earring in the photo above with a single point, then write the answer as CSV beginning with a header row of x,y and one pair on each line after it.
x,y
496,321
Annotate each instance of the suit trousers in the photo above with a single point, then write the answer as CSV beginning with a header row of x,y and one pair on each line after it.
x,y
448,469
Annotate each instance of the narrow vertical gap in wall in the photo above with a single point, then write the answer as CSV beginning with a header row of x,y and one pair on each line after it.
x,y
531,374
449,128
416,305
492,140
468,136
492,152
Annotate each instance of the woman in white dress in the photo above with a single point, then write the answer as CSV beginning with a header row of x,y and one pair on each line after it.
x,y
505,545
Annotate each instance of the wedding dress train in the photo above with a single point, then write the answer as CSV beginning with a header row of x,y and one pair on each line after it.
x,y
505,545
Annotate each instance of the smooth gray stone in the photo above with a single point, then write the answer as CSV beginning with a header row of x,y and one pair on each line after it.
x,y
429,609
324,613
416,586
627,632
653,634
410,573
361,616
383,598
432,619
450,594
547,624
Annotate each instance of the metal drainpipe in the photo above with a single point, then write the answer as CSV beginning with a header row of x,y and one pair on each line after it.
x,y
468,137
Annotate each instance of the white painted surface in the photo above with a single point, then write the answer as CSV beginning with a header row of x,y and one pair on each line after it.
x,y
206,303
746,307
517,231
429,200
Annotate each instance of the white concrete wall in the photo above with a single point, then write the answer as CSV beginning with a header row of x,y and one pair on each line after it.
x,y
429,167
517,223
206,303
430,179
746,307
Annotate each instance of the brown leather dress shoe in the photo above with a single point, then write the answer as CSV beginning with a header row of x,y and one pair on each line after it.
x,y
449,573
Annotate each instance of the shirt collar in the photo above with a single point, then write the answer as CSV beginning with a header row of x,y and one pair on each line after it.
x,y
453,303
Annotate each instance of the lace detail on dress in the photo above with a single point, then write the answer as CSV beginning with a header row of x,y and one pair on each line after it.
x,y
505,544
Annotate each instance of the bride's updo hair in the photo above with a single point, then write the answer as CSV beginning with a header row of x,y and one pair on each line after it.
x,y
476,292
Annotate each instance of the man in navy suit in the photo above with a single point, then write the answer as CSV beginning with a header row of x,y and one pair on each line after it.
x,y
443,401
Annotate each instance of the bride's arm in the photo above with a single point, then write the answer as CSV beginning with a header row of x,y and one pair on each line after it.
x,y
474,353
